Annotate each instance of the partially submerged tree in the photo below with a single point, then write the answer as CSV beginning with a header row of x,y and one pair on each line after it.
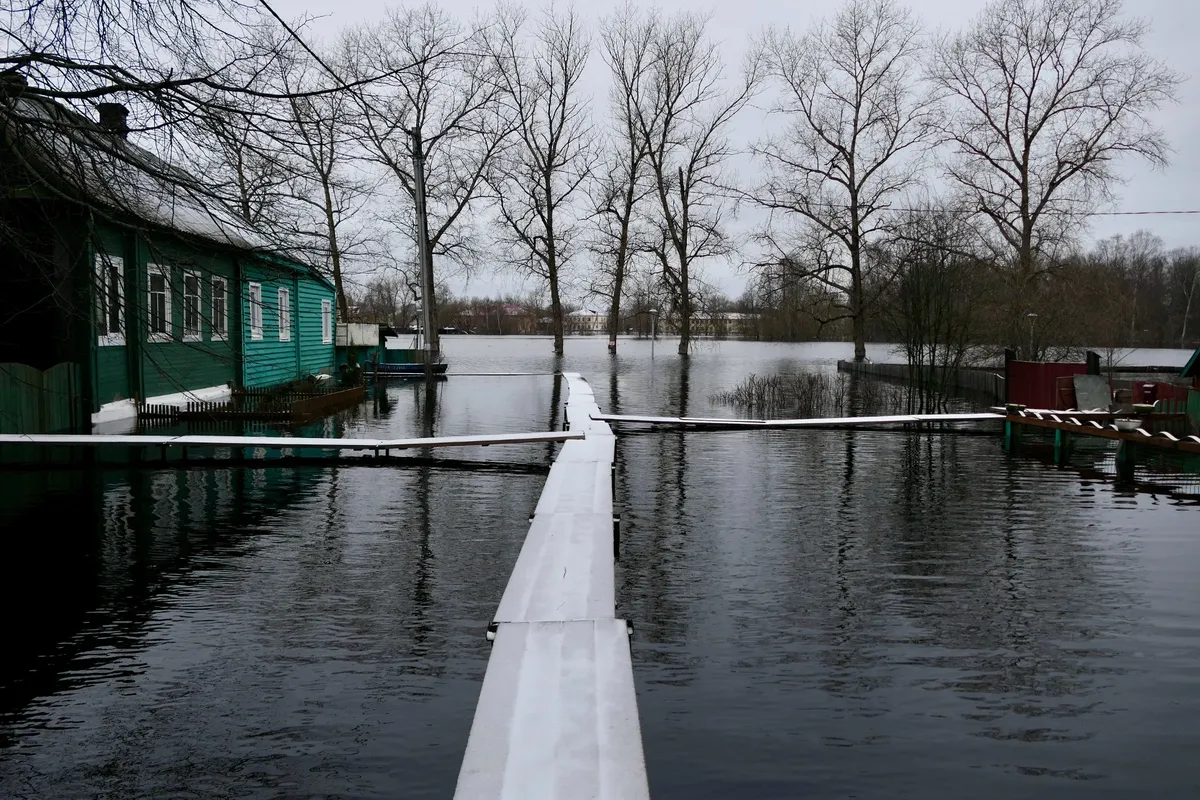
x,y
438,80
1050,95
933,306
856,126
622,183
540,179
684,110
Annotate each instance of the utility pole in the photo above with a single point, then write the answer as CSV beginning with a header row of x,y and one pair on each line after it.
x,y
429,341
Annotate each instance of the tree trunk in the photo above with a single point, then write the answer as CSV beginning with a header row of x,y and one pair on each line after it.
x,y
614,310
685,311
556,312
858,310
335,257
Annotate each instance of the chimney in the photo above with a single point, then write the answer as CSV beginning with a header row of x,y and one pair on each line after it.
x,y
12,83
113,118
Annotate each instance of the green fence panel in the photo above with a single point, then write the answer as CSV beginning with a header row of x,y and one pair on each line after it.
x,y
32,401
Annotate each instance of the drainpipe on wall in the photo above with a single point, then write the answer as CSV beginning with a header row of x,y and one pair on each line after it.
x,y
295,303
236,323
89,403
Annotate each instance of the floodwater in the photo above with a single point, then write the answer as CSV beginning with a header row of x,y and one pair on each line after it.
x,y
818,613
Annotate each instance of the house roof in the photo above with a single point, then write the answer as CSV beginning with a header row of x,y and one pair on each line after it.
x,y
88,163
1192,369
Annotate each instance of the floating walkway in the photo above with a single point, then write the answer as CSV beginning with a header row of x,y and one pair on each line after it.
x,y
817,422
557,714
285,443
1067,423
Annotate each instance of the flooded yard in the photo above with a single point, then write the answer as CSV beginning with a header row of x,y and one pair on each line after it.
x,y
817,613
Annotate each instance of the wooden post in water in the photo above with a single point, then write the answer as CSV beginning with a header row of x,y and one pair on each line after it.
x,y
1126,461
1062,446
1012,437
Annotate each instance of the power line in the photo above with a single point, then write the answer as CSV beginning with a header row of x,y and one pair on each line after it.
x,y
304,44
1137,213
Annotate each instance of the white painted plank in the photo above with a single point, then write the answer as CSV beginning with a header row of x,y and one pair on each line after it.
x,y
289,442
557,717
651,420
802,423
577,488
597,447
564,572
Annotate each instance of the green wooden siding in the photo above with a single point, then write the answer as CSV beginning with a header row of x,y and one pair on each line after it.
x,y
146,368
268,361
177,365
112,375
316,356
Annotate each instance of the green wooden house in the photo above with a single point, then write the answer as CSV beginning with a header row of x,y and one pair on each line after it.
x,y
125,281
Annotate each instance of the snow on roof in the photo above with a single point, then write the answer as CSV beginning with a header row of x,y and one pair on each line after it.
x,y
62,145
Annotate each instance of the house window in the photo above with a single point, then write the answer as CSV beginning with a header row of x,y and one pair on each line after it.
x,y
160,304
110,300
285,315
326,322
220,308
191,307
256,311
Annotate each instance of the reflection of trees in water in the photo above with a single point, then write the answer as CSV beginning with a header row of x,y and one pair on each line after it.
x,y
985,562
868,547
653,481
121,542
555,404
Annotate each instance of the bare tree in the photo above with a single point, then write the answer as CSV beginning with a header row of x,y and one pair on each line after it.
x,y
538,181
1184,266
621,185
1050,94
683,111
856,125
325,184
438,80
932,308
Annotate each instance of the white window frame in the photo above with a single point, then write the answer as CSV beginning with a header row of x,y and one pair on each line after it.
x,y
283,313
108,337
218,334
326,322
196,335
255,303
165,272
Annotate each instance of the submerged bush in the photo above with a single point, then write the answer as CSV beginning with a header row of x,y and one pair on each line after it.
x,y
813,394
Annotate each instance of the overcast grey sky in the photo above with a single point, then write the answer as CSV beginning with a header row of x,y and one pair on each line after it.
x,y
1174,24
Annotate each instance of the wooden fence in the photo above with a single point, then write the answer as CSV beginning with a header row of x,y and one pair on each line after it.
x,y
33,401
264,405
979,381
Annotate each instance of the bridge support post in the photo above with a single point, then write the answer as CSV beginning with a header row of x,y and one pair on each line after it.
x,y
1126,461
1062,446
1012,437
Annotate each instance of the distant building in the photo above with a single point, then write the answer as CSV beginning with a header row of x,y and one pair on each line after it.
x,y
724,324
586,321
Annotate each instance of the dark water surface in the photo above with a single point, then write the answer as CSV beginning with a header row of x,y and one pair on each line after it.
x,y
818,614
